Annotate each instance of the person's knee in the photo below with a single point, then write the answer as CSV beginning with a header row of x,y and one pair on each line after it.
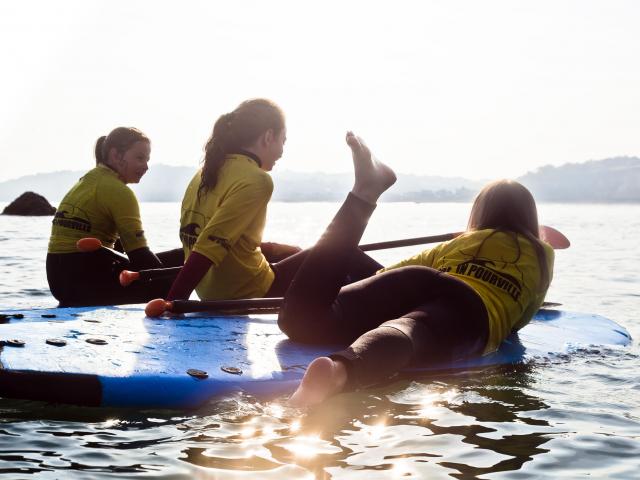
x,y
307,325
296,331
292,324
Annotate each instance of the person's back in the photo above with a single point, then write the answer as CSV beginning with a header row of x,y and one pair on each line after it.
x,y
224,207
210,225
98,205
502,268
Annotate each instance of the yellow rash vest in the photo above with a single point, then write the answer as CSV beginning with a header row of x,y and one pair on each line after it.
x,y
502,269
226,225
99,205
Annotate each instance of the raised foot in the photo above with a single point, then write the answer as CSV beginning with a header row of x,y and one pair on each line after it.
x,y
372,177
323,378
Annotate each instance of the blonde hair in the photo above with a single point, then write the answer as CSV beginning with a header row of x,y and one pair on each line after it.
x,y
508,206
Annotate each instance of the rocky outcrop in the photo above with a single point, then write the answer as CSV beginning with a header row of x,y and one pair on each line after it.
x,y
29,203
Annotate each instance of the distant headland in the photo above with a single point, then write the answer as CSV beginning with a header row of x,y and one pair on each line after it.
x,y
612,180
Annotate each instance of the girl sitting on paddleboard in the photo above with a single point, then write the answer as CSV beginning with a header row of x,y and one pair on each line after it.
x,y
101,205
224,212
459,299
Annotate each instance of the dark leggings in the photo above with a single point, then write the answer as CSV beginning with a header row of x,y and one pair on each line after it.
x,y
359,266
406,315
85,279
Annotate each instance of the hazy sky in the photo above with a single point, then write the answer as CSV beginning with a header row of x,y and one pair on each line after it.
x,y
480,89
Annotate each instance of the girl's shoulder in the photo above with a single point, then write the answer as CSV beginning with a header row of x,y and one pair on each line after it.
x,y
493,239
242,171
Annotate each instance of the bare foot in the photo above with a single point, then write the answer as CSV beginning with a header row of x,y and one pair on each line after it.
x,y
323,378
372,176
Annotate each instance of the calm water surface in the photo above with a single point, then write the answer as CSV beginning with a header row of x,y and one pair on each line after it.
x,y
576,417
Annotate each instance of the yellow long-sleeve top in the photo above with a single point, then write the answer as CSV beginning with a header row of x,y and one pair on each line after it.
x,y
503,270
226,226
99,205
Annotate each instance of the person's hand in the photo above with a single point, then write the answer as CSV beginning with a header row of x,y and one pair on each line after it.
x,y
274,252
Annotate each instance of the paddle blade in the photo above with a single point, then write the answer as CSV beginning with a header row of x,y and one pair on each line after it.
x,y
88,244
554,238
127,277
157,307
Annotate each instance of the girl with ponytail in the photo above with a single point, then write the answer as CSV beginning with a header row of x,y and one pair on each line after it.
x,y
224,212
101,205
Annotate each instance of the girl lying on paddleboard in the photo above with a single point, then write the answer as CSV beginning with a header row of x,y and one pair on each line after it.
x,y
101,205
224,213
461,298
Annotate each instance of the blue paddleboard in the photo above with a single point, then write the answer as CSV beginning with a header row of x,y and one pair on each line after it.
x,y
118,357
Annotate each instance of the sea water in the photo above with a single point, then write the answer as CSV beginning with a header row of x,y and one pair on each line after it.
x,y
569,417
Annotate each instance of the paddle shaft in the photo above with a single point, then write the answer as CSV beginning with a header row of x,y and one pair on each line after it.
x,y
553,236
248,305
162,273
239,305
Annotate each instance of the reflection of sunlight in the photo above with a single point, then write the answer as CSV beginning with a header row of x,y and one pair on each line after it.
x,y
309,446
275,410
248,432
295,426
112,422
402,468
305,447
261,352
374,432
268,433
124,333
429,402
132,335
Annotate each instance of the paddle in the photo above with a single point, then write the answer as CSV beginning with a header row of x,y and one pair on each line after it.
x,y
127,276
90,244
245,306
157,307
550,235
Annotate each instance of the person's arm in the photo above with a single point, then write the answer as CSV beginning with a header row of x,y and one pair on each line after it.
x,y
190,275
538,300
243,205
123,207
143,259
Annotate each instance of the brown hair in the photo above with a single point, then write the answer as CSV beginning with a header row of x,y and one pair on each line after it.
x,y
121,138
507,206
236,130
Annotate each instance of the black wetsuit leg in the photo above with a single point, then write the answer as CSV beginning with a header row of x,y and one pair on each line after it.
x,y
171,258
391,319
360,266
83,279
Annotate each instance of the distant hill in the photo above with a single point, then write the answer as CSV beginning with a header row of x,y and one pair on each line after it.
x,y
164,183
610,180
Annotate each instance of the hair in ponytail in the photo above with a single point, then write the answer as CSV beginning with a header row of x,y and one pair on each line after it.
x,y
121,138
507,206
234,131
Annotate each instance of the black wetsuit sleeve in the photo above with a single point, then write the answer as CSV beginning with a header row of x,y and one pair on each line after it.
x,y
143,259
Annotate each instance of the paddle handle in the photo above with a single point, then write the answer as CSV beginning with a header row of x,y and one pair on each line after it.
x,y
91,244
157,307
127,276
